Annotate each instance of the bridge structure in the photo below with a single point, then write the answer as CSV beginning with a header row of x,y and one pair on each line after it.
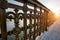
x,y
39,20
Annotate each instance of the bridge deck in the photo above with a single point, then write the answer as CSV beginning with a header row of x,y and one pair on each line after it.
x,y
53,32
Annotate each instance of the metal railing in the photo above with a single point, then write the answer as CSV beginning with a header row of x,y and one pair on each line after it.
x,y
35,28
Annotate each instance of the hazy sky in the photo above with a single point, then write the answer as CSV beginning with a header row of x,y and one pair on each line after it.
x,y
53,5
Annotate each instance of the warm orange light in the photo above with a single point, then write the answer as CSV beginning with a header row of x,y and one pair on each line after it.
x,y
57,14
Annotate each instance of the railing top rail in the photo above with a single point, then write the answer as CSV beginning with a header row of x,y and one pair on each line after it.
x,y
33,2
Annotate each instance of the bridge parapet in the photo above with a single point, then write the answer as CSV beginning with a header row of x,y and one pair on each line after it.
x,y
33,20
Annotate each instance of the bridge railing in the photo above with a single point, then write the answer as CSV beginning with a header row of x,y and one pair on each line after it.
x,y
27,24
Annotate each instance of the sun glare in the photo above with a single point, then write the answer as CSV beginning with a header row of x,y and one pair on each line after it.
x,y
57,14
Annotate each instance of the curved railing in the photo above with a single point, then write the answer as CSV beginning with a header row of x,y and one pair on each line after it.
x,y
27,24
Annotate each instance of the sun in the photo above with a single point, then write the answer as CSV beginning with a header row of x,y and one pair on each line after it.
x,y
57,14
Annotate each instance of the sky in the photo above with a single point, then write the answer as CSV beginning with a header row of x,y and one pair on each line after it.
x,y
53,5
